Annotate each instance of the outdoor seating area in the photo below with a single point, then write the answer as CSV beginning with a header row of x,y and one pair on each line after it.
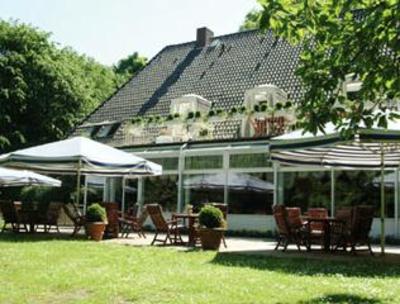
x,y
181,229
314,229
183,222
30,217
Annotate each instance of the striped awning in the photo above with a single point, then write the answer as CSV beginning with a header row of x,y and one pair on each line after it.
x,y
80,154
369,148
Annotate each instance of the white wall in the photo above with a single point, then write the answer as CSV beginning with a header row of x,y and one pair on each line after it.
x,y
252,222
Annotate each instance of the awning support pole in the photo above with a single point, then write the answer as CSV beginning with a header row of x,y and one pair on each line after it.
x,y
78,183
123,194
85,195
181,167
140,192
382,201
275,166
226,175
333,192
396,202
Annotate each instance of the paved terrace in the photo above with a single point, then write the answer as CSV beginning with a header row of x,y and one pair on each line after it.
x,y
265,247
237,245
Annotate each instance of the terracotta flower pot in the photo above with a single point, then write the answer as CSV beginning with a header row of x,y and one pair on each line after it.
x,y
211,238
95,230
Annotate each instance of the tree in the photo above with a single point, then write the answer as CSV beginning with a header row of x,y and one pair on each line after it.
x,y
128,66
44,90
251,21
340,39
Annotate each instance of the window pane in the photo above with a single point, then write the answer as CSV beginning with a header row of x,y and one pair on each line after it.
x,y
95,188
363,188
106,130
250,193
103,131
130,192
203,188
249,160
203,162
162,190
87,132
307,189
168,163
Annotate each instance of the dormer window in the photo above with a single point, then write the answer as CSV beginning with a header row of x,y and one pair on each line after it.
x,y
104,131
87,131
189,103
265,94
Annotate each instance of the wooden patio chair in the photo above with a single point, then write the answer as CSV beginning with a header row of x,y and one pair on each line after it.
x,y
73,213
294,217
340,229
224,210
52,215
171,227
360,228
9,211
131,222
315,228
317,213
288,232
112,228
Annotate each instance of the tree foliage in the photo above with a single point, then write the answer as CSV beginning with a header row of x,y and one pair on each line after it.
x,y
251,21
341,38
128,66
44,89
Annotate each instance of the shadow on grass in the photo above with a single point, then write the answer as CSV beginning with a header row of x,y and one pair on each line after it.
x,y
308,267
13,237
342,298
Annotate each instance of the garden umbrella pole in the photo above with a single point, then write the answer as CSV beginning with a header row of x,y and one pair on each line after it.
x,y
382,201
78,182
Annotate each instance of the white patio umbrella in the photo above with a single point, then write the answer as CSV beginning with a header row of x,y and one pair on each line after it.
x,y
374,148
236,181
17,178
80,155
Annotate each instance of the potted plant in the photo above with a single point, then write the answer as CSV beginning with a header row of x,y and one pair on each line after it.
x,y
212,227
96,220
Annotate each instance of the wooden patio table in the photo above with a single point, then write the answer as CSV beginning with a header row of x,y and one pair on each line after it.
x,y
326,224
191,218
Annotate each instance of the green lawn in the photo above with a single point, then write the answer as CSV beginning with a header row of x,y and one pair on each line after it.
x,y
40,270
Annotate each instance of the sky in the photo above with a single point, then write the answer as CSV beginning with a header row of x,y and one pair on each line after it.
x,y
109,30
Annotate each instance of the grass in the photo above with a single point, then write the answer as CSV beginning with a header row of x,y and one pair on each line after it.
x,y
38,269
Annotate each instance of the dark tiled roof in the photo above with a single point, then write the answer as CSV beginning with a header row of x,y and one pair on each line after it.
x,y
226,129
220,73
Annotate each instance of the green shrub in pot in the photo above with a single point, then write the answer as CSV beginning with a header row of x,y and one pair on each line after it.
x,y
96,219
212,227
211,217
96,213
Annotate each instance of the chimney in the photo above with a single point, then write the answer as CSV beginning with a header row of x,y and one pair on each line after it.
x,y
204,36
